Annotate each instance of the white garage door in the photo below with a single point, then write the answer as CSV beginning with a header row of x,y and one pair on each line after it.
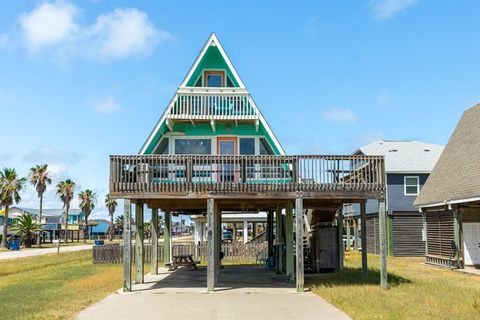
x,y
471,238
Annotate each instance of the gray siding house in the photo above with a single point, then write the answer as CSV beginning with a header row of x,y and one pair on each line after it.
x,y
407,165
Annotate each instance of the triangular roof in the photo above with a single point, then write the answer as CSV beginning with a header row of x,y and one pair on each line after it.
x,y
456,176
404,156
161,126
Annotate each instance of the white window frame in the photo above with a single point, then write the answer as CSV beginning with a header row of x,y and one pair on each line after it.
x,y
405,185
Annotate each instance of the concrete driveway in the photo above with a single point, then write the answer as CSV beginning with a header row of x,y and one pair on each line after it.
x,y
23,253
242,293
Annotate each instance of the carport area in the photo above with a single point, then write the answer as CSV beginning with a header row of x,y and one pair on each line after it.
x,y
243,292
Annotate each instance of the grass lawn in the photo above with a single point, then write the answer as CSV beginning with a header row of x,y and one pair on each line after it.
x,y
417,291
54,286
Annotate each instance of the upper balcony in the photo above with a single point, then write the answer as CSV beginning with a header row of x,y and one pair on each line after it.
x,y
211,104
197,176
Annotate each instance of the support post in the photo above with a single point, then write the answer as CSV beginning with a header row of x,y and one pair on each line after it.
x,y
167,237
218,241
289,242
348,227
457,236
341,252
299,242
139,248
211,226
279,239
383,243
245,231
154,232
355,232
127,246
363,219
270,232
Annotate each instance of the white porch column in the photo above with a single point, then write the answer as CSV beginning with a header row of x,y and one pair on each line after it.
x,y
197,231
245,231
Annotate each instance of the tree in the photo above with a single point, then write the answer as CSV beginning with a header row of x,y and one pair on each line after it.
x,y
25,227
10,187
119,222
87,200
111,205
66,191
40,177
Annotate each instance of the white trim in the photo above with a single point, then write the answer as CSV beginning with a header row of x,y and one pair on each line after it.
x,y
212,40
405,186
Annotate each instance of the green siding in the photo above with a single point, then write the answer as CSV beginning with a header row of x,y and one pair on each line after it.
x,y
205,129
212,59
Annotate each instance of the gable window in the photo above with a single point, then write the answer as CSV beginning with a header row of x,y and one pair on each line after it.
x,y
193,146
162,147
214,78
411,185
265,148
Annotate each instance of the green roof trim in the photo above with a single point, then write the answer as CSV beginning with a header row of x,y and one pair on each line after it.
x,y
213,60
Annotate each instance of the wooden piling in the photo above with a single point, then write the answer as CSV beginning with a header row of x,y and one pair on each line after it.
x,y
127,247
139,246
299,242
289,242
154,232
383,243
363,219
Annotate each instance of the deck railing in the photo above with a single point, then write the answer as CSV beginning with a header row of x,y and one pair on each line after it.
x,y
243,173
201,104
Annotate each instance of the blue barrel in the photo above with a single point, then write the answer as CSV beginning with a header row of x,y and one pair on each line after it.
x,y
99,243
15,245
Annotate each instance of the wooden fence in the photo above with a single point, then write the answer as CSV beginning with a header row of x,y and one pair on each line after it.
x,y
234,252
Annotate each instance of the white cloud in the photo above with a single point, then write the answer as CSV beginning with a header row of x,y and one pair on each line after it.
x,y
386,9
54,29
340,116
107,105
49,24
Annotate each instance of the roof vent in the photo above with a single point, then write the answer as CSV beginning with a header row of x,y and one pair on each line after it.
x,y
393,150
426,150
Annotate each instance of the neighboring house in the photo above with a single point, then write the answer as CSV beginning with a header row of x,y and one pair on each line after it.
x,y
12,216
53,221
450,199
407,166
98,227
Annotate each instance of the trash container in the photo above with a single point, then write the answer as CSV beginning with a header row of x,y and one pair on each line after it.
x,y
99,242
14,245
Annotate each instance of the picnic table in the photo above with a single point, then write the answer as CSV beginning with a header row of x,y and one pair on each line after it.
x,y
182,260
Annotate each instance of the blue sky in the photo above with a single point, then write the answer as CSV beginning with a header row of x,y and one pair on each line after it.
x,y
80,80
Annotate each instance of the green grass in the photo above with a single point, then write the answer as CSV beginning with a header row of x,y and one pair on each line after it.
x,y
416,291
54,286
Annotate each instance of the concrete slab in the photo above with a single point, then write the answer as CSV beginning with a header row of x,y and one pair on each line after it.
x,y
242,293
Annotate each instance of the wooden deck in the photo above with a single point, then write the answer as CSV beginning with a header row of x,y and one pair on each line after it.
x,y
146,177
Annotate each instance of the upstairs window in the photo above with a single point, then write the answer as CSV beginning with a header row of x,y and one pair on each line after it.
x,y
411,186
265,148
214,78
193,146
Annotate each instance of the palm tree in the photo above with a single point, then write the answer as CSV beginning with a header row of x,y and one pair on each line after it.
x,y
87,204
111,205
66,191
10,186
40,177
25,227
119,222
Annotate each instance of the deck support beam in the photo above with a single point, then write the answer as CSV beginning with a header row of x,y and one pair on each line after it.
x,y
363,219
139,247
457,236
383,243
299,242
127,246
167,238
279,239
211,226
341,252
289,243
154,232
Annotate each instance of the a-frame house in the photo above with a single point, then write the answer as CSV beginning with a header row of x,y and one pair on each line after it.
x,y
213,151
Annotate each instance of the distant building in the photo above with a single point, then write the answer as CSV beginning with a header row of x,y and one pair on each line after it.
x,y
407,165
53,221
98,227
450,199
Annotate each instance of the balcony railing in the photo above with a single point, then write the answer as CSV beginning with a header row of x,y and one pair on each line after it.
x,y
212,104
137,174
